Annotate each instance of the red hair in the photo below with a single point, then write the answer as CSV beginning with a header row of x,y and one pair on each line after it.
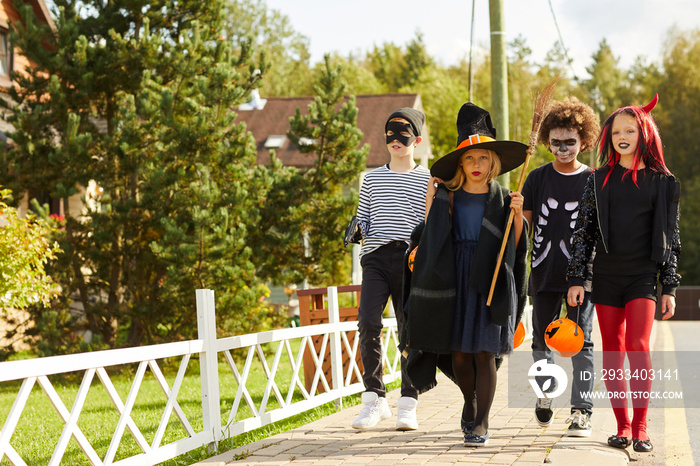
x,y
649,148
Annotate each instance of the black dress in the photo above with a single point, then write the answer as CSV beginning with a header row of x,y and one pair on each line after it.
x,y
473,331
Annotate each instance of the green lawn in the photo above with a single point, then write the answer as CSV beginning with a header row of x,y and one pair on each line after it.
x,y
40,426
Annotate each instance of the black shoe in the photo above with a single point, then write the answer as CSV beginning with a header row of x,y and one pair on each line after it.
x,y
467,426
618,442
642,446
473,440
543,412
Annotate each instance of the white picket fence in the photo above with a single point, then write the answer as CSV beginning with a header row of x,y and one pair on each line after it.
x,y
334,335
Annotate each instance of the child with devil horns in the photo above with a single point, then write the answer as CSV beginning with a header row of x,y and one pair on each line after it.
x,y
629,217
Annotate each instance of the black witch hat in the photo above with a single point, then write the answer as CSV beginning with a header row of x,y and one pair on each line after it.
x,y
475,131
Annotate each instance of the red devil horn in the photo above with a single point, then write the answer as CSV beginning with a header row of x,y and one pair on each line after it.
x,y
648,107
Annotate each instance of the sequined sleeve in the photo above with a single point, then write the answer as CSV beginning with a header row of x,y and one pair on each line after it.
x,y
669,277
585,236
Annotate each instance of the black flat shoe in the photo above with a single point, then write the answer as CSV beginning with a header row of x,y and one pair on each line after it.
x,y
467,426
618,442
642,446
473,440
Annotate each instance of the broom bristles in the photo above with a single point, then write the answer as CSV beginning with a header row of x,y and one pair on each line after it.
x,y
540,111
541,108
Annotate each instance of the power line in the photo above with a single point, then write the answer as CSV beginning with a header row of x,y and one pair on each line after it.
x,y
561,40
471,47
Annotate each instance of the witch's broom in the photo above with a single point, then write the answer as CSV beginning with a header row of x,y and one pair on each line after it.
x,y
540,111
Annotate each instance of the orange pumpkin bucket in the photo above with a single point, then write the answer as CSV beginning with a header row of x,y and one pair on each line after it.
x,y
412,259
519,336
565,337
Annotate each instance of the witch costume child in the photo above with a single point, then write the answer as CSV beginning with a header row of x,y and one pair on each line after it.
x,y
449,324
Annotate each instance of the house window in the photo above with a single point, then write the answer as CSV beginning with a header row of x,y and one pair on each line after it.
x,y
44,198
275,141
5,54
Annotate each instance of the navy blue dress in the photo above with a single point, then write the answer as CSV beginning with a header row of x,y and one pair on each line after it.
x,y
473,331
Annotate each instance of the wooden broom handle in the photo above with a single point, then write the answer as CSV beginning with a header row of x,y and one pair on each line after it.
x,y
540,110
508,226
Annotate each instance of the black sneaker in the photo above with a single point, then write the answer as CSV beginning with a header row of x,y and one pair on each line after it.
x,y
543,411
580,424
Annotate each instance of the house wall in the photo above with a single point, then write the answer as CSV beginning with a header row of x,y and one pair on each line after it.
x,y
8,15
76,207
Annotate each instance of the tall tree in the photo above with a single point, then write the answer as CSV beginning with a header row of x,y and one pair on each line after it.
x,y
606,81
308,209
136,97
678,119
442,93
525,80
520,78
397,67
523,84
286,51
355,74
679,93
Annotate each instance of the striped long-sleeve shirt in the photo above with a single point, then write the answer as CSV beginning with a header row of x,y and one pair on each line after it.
x,y
391,205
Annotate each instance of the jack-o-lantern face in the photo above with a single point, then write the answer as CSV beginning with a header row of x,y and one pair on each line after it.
x,y
564,337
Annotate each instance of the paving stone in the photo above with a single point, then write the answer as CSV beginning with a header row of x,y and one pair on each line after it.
x,y
516,439
502,458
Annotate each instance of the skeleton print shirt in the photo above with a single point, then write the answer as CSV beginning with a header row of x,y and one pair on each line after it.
x,y
553,198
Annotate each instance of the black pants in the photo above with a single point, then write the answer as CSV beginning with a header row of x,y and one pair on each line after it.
x,y
382,275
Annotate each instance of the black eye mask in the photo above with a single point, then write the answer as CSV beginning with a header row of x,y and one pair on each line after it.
x,y
397,128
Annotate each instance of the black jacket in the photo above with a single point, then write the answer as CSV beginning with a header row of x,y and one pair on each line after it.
x,y
593,225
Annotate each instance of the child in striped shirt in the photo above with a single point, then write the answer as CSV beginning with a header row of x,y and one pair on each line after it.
x,y
392,203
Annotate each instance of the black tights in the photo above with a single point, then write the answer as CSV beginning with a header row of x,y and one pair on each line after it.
x,y
476,377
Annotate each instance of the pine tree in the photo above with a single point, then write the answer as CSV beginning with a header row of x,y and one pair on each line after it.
x,y
309,208
137,97
607,79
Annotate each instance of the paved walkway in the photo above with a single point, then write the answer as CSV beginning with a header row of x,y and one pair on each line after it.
x,y
516,439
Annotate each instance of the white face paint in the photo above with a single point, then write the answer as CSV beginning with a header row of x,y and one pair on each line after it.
x,y
565,144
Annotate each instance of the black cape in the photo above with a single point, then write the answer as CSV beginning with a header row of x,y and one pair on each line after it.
x,y
430,291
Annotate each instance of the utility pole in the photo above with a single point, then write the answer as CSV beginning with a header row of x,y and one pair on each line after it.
x,y
499,76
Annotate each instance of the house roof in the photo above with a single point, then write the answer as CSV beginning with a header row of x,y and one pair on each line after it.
x,y
42,11
373,110
9,12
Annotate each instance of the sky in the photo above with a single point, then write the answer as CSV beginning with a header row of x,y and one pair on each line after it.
x,y
632,27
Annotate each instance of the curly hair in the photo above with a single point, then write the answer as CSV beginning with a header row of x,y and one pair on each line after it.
x,y
572,114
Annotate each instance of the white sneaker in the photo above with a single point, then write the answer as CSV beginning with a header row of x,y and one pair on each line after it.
x,y
406,418
376,409
580,424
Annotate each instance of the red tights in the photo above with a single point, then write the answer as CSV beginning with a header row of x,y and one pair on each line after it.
x,y
627,331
